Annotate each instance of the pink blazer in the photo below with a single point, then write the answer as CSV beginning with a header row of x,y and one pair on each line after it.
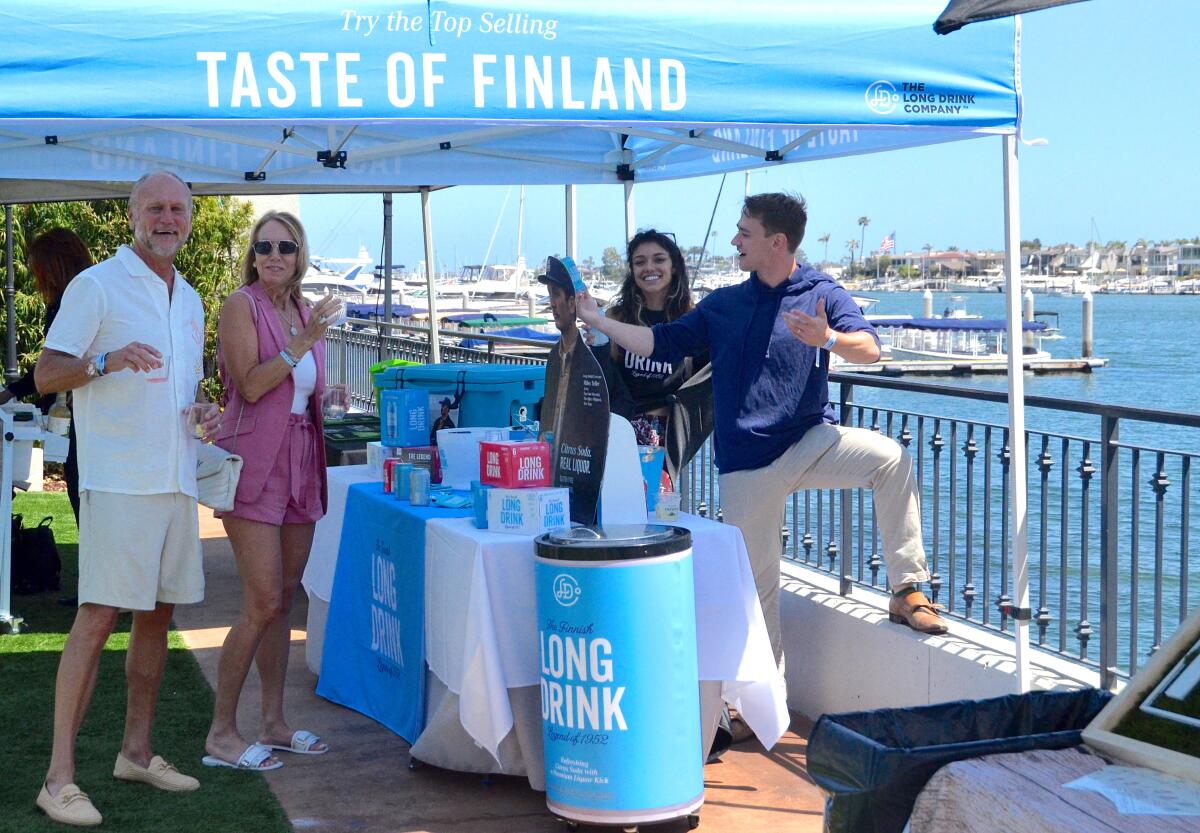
x,y
254,430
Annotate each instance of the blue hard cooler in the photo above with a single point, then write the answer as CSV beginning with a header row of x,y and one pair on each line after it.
x,y
485,394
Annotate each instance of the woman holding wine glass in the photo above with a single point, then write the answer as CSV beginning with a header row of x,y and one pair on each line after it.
x,y
272,360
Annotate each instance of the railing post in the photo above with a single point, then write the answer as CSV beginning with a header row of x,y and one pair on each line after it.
x,y
1109,492
847,500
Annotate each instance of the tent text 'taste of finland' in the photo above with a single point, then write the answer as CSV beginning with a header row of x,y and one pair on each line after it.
x,y
318,97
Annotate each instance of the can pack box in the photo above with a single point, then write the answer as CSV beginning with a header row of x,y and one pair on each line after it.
x,y
421,456
404,418
514,465
377,453
528,511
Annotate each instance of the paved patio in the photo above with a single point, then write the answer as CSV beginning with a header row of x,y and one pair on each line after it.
x,y
364,784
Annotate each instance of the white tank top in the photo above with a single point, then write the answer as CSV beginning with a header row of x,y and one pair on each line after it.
x,y
304,375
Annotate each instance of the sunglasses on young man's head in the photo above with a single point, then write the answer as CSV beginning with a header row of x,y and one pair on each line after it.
x,y
286,247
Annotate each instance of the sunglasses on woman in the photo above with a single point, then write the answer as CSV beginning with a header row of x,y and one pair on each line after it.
x,y
286,247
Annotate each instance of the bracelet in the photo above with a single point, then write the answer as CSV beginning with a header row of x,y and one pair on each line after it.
x,y
287,357
100,360
832,341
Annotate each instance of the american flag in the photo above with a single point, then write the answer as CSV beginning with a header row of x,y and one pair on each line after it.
x,y
888,243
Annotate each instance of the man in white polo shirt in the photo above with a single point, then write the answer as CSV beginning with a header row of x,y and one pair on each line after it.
x,y
128,341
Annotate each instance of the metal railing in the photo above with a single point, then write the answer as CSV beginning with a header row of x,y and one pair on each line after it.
x,y
1109,522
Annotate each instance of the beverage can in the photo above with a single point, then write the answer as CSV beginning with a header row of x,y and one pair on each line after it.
x,y
401,481
418,494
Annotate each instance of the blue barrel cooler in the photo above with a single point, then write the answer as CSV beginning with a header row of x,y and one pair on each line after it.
x,y
620,700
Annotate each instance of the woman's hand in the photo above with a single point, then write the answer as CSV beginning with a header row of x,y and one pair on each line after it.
x,y
587,309
320,318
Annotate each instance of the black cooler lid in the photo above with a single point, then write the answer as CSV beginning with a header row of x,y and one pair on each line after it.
x,y
613,543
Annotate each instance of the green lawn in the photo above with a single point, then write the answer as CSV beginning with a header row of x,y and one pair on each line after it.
x,y
226,801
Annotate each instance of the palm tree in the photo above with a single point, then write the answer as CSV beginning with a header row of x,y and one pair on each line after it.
x,y
824,238
852,244
864,222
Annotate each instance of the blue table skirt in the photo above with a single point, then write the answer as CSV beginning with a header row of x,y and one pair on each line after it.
x,y
374,653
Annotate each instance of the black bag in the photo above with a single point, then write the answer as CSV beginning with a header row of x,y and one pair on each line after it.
x,y
36,567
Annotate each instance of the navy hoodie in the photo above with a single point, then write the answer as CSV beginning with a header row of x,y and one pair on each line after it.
x,y
768,386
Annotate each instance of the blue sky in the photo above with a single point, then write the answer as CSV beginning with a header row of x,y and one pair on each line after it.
x,y
1111,84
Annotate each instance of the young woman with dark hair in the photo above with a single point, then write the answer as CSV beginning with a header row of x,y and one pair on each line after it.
x,y
655,291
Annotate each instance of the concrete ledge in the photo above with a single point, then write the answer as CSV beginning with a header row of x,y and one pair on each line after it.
x,y
842,654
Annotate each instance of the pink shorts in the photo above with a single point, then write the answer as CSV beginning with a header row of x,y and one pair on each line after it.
x,y
292,493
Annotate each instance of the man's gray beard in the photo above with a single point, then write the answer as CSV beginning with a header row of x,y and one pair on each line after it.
x,y
152,243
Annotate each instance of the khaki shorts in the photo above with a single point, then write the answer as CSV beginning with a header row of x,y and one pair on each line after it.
x,y
137,550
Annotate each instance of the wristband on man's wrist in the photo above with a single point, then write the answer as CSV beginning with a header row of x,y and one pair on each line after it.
x,y
100,360
828,345
287,358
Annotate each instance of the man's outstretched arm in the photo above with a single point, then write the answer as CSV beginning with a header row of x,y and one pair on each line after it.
x,y
634,338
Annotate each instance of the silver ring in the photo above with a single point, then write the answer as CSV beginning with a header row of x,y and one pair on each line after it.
x,y
322,319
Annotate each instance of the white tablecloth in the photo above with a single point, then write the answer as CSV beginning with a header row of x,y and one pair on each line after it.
x,y
322,559
481,629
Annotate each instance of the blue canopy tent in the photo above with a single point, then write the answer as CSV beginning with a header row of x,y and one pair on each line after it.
x,y
310,97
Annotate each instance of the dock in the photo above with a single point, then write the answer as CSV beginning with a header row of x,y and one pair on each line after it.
x,y
938,367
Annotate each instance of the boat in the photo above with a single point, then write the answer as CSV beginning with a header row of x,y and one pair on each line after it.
x,y
958,310
1052,331
352,286
957,340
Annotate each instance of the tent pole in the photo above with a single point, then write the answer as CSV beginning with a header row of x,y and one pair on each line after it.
x,y
1016,413
387,267
569,193
629,223
435,353
10,288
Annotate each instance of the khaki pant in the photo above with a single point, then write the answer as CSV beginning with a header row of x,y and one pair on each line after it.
x,y
827,457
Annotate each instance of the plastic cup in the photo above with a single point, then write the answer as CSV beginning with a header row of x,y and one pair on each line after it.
x,y
193,419
338,317
157,375
666,508
651,458
335,400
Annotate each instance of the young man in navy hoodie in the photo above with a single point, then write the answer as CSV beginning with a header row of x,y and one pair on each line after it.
x,y
770,338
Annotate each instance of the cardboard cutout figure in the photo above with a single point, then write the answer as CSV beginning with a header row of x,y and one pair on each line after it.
x,y
574,415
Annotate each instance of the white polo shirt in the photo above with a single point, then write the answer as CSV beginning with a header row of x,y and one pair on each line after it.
x,y
129,429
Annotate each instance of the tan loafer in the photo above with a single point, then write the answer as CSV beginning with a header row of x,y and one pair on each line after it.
x,y
70,806
916,611
159,774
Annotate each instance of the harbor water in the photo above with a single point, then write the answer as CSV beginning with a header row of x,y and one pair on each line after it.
x,y
1148,340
